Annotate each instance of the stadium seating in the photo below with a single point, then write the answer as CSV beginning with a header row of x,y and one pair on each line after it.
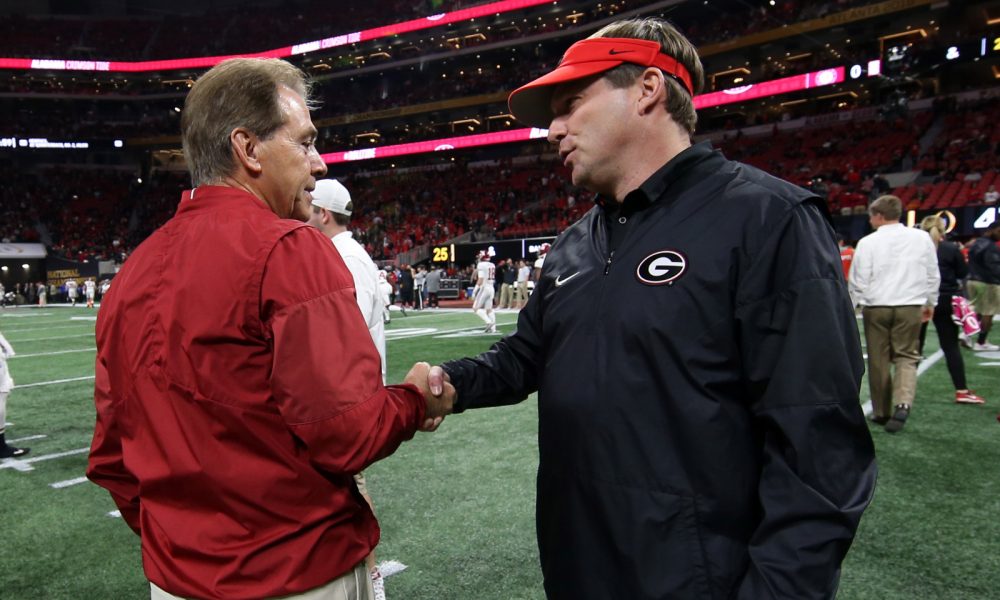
x,y
412,207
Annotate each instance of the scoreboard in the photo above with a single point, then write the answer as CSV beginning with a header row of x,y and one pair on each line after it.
x,y
466,253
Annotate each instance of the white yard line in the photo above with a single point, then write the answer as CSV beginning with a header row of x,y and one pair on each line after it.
x,y
388,568
16,356
425,332
67,483
25,465
47,339
28,385
27,438
927,363
77,326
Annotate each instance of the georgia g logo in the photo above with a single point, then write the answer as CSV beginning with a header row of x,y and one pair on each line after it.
x,y
661,267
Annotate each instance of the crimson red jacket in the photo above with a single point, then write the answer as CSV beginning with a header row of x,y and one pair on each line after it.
x,y
237,391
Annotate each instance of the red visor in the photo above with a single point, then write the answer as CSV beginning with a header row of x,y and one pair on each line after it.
x,y
530,103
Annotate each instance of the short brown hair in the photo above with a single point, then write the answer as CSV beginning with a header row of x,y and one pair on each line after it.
x,y
890,207
680,103
240,92
338,218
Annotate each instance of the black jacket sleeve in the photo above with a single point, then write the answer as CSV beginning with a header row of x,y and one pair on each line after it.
x,y
803,365
958,262
509,371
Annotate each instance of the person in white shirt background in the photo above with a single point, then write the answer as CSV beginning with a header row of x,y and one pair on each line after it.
x,y
90,290
331,214
894,278
385,293
521,285
991,196
6,385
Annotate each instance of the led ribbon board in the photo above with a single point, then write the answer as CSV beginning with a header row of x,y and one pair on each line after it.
x,y
209,61
765,89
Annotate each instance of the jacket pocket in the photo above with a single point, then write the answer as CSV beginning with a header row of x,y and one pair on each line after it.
x,y
606,540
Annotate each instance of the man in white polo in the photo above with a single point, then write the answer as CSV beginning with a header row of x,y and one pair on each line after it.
x,y
895,279
331,214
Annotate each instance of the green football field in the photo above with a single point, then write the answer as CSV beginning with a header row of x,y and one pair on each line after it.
x,y
457,506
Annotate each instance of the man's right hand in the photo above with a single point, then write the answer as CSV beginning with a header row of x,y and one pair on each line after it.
x,y
438,393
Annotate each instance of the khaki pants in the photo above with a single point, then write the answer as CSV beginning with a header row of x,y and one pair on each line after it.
x,y
520,293
506,291
892,335
356,584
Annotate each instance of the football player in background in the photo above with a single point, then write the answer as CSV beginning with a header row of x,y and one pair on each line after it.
x,y
485,291
72,291
90,290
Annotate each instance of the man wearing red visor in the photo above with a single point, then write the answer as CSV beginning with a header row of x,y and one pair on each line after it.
x,y
693,347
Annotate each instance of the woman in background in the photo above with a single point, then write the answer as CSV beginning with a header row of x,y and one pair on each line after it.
x,y
953,269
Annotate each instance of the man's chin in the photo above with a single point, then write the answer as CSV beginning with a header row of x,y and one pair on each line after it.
x,y
300,210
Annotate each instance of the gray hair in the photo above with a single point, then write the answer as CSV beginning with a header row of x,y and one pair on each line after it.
x,y
240,92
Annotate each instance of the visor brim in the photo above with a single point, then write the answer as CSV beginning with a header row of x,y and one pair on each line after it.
x,y
531,103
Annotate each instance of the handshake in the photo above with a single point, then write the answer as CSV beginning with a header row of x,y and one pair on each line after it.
x,y
436,387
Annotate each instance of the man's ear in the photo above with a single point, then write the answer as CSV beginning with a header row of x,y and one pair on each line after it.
x,y
246,149
653,90
326,217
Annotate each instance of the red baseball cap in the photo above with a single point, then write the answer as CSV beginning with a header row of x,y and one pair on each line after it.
x,y
530,103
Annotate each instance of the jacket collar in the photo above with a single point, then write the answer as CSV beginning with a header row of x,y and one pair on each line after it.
x,y
219,197
681,167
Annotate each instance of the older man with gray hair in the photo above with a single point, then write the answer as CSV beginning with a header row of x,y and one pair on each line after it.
x,y
237,388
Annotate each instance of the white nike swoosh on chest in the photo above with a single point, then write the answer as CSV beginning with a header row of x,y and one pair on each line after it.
x,y
560,281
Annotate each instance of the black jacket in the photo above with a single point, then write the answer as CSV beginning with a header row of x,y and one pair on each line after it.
x,y
984,261
700,430
952,266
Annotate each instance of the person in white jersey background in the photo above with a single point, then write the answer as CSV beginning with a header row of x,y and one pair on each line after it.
x,y
90,291
72,291
484,292
385,293
331,214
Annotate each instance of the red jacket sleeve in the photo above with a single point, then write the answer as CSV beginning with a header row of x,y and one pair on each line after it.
x,y
327,375
106,466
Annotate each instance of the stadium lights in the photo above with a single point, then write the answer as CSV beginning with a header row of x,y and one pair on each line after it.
x,y
4,268
25,266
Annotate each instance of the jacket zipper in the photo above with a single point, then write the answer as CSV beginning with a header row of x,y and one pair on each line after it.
x,y
607,263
